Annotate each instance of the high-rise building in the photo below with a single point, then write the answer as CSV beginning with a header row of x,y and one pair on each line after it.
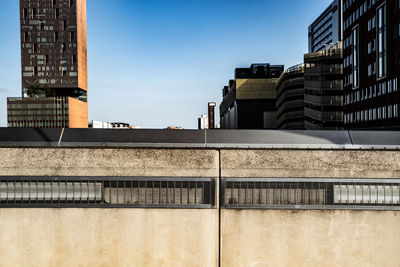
x,y
249,102
290,99
371,64
326,30
54,65
323,87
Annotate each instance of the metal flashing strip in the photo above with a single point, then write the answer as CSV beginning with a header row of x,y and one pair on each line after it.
x,y
210,139
313,207
316,180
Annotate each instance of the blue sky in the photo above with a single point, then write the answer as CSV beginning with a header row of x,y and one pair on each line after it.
x,y
156,63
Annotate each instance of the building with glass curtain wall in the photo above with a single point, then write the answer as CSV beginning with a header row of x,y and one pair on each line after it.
x,y
326,30
54,65
371,64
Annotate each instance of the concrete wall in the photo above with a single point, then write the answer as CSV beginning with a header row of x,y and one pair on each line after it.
x,y
258,238
109,162
167,237
108,237
310,163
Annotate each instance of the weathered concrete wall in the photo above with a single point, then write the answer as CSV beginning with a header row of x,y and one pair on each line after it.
x,y
310,163
108,237
109,162
168,237
258,238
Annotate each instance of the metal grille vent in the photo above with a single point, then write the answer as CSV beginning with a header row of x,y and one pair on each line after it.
x,y
107,192
311,193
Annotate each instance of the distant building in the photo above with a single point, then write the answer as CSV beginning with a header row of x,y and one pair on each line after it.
x,y
326,30
211,115
46,112
100,125
290,99
250,97
111,125
203,122
371,64
120,125
54,65
324,89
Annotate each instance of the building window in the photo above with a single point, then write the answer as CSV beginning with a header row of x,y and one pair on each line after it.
x,y
56,13
24,13
35,49
355,58
64,71
71,36
33,14
71,3
63,24
381,42
73,59
55,36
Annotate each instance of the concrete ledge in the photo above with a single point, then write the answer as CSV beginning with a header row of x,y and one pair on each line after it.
x,y
310,163
108,162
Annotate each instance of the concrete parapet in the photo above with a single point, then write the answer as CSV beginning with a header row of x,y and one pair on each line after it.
x,y
310,163
108,237
309,238
109,162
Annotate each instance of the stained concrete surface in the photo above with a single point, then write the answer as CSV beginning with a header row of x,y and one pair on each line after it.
x,y
108,237
310,163
108,162
258,238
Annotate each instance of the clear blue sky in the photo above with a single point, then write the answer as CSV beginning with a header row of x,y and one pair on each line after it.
x,y
156,63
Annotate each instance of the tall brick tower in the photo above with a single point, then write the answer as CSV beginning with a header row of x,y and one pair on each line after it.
x,y
54,66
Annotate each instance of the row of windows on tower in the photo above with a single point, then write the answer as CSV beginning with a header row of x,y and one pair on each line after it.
x,y
46,59
62,50
55,36
55,2
33,11
63,70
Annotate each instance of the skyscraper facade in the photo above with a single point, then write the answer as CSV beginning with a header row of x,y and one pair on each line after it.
x,y
323,86
54,65
371,64
326,30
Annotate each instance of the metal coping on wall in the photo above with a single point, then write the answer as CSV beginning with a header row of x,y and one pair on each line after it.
x,y
107,192
310,193
207,139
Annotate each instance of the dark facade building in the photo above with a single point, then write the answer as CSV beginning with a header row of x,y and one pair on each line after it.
x,y
54,65
249,102
371,64
323,86
326,30
290,99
